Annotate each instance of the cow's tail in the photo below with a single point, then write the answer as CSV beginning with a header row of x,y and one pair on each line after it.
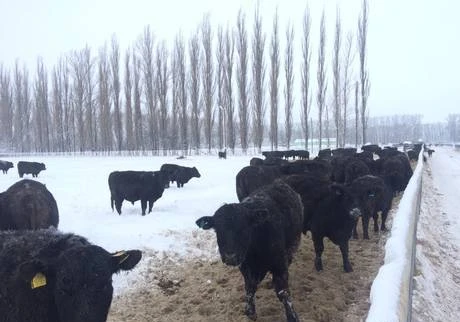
x,y
111,201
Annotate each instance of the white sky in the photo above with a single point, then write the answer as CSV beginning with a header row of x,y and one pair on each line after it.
x,y
413,45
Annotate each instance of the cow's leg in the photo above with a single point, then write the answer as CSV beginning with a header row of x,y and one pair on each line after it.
x,y
280,281
319,248
375,217
365,222
118,203
346,262
384,218
355,230
251,281
143,206
178,184
150,205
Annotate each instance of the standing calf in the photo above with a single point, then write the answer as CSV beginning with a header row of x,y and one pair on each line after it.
x,y
6,165
260,235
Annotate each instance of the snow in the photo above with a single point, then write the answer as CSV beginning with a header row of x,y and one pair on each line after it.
x,y
391,285
79,185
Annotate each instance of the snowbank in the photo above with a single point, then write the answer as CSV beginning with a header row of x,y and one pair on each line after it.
x,y
391,290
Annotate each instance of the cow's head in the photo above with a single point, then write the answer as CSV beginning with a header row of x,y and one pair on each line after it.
x,y
195,173
233,224
9,165
347,200
42,166
79,280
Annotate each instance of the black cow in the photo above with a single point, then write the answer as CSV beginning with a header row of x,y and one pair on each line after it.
x,y
430,152
25,167
28,204
312,188
374,196
256,162
251,178
355,168
373,148
413,155
260,235
180,174
146,186
396,170
222,155
5,165
55,277
334,217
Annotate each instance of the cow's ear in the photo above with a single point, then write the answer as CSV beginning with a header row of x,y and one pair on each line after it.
x,y
206,222
34,273
259,216
125,260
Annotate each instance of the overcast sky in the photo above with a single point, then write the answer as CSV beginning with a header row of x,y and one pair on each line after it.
x,y
413,45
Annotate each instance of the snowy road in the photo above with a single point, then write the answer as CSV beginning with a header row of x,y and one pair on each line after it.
x,y
437,272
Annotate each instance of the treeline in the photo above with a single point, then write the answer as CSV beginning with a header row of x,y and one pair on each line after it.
x,y
210,91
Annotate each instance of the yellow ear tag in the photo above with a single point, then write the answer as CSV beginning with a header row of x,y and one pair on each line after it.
x,y
39,280
124,256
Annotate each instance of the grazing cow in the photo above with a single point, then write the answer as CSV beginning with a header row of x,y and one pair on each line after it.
x,y
55,277
146,186
260,235
180,174
334,217
374,195
27,204
25,167
251,178
5,165
223,155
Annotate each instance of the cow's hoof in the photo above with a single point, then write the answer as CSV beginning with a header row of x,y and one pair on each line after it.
x,y
251,313
348,268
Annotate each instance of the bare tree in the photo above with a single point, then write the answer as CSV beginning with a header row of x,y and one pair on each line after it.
x,y
42,113
6,107
104,100
364,74
242,80
175,98
78,95
306,59
228,85
220,75
182,88
274,83
162,95
115,90
289,84
128,88
356,113
321,77
336,79
57,108
347,61
258,78
146,48
208,80
194,55
137,90
18,116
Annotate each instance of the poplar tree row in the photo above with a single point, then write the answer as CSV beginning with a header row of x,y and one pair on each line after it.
x,y
206,92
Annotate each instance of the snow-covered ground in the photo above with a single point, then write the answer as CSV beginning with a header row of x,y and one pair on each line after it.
x,y
437,272
79,185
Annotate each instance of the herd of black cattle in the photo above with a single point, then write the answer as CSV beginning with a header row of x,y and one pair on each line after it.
x,y
52,276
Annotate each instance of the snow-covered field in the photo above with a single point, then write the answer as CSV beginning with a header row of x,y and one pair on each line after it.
x,y
79,185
